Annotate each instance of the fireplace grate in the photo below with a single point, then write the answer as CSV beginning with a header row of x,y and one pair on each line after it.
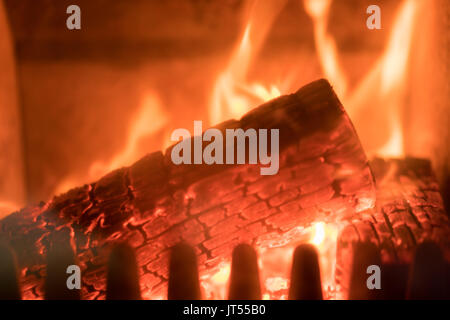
x,y
426,278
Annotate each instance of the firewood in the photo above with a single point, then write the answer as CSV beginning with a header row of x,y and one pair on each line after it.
x,y
409,211
154,204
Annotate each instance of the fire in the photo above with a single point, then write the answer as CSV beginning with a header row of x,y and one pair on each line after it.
x,y
276,284
232,94
382,89
319,233
214,282
324,238
275,260
149,119
325,45
222,275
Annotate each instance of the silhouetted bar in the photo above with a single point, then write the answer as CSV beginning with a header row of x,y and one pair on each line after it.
x,y
244,279
183,274
122,278
394,281
365,254
59,257
305,275
428,276
9,288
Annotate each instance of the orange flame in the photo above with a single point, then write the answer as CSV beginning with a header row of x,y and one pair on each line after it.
x,y
382,87
232,95
149,119
326,46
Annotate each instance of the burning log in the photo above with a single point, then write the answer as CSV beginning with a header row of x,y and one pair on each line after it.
x,y
154,204
409,212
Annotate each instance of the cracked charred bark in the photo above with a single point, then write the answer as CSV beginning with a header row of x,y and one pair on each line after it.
x,y
409,211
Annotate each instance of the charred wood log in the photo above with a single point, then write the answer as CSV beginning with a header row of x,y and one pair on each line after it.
x,y
154,204
409,212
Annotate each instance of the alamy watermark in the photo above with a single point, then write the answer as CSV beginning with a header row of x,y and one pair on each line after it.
x,y
374,281
73,22
374,20
74,280
235,140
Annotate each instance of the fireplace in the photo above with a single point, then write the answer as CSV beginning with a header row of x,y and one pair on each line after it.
x,y
362,116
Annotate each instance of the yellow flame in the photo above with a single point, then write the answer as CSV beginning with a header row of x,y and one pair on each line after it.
x,y
276,283
383,84
214,283
221,276
394,61
325,45
324,237
232,95
319,233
